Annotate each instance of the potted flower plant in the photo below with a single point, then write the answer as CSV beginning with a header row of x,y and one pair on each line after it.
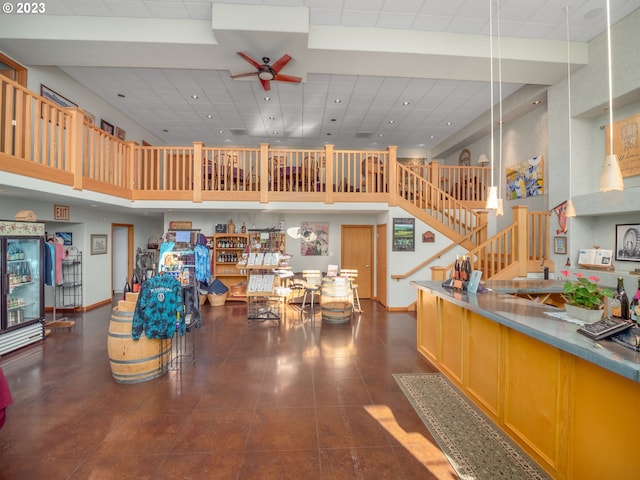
x,y
584,297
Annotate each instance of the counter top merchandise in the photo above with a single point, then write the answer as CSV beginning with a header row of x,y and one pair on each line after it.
x,y
538,321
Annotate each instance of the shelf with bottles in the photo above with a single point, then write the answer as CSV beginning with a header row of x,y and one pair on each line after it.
x,y
227,250
267,240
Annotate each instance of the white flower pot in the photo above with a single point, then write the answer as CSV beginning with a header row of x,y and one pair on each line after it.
x,y
583,314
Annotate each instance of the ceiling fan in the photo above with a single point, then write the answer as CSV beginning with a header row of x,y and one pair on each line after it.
x,y
266,72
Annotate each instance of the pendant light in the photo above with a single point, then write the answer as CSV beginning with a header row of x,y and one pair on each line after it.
x,y
611,178
499,206
492,197
570,210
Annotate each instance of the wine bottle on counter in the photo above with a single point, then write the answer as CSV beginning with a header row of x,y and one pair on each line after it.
x,y
126,289
620,305
456,268
634,308
135,284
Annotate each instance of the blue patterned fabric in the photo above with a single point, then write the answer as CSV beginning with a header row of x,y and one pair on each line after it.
x,y
159,302
203,265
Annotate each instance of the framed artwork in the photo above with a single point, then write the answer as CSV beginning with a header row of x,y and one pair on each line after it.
x,y
67,237
314,238
107,127
98,244
560,245
526,178
121,134
628,242
625,144
464,160
55,97
403,235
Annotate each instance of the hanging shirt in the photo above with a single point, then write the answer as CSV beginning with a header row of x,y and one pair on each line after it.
x,y
159,308
49,255
60,255
203,266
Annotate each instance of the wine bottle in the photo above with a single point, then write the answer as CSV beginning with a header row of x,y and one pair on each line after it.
x,y
456,268
634,308
621,303
126,289
135,284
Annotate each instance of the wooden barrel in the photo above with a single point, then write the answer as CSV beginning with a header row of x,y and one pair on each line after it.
x,y
335,301
134,361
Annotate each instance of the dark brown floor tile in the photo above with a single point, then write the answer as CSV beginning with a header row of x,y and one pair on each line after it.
x,y
214,430
205,466
283,429
341,391
349,426
282,465
370,463
125,466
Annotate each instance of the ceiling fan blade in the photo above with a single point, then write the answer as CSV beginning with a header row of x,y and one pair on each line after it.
x,y
265,84
287,78
250,60
281,62
239,75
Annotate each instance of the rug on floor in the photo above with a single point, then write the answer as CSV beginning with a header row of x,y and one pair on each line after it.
x,y
473,444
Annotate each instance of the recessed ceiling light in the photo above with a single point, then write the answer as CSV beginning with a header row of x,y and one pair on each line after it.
x,y
209,116
275,132
267,99
165,130
337,100
432,137
328,134
405,103
194,96
449,124
392,122
220,131
333,119
537,102
381,135
271,117
121,95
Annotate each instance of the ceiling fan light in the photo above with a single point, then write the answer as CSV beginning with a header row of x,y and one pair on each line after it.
x,y
265,75
611,178
492,198
570,210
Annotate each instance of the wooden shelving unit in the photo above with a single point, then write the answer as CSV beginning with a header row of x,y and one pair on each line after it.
x,y
227,252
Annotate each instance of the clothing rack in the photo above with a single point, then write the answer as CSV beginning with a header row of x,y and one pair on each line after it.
x,y
62,322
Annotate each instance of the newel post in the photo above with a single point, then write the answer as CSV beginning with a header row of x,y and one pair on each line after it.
x,y
392,178
522,238
197,171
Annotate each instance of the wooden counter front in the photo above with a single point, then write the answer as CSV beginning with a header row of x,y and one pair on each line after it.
x,y
566,400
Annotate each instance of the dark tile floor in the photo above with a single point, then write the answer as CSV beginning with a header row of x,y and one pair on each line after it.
x,y
259,402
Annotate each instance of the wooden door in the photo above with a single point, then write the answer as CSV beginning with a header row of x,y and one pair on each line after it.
x,y
357,252
381,263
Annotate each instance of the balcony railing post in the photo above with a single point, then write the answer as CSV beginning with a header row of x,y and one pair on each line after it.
x,y
197,171
264,173
76,156
328,173
130,162
392,178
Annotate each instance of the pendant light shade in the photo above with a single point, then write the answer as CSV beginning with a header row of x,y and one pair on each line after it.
x,y
500,208
570,211
611,178
492,199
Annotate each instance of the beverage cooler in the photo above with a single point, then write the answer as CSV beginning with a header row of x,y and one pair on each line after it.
x,y
22,281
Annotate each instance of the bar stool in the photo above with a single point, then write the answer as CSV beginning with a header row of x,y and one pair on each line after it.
x,y
352,275
312,287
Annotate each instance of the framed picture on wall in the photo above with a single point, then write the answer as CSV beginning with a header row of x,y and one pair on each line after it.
x,y
560,245
98,244
403,239
628,242
107,127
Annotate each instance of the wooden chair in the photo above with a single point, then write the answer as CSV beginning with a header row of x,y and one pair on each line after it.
x,y
352,275
312,279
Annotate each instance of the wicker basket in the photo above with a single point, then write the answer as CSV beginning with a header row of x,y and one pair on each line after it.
x,y
216,300
238,290
203,298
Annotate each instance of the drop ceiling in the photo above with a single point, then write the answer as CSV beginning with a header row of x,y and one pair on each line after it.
x,y
375,73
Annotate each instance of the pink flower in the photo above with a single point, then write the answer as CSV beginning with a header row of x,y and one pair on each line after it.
x,y
566,273
579,275
594,279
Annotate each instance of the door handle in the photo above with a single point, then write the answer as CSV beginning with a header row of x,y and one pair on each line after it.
x,y
367,266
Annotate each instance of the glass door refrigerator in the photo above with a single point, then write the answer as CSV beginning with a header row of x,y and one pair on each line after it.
x,y
22,282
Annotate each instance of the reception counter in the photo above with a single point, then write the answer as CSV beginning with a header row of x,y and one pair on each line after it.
x,y
568,401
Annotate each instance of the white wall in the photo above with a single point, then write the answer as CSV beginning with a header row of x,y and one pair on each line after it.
x,y
66,86
96,269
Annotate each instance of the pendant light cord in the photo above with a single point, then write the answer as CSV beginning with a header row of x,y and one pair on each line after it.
x,y
569,94
610,79
500,102
491,78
